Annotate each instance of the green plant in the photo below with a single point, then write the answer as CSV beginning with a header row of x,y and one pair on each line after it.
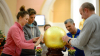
x,y
1,34
71,51
38,50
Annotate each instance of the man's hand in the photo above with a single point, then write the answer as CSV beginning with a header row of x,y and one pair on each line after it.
x,y
66,38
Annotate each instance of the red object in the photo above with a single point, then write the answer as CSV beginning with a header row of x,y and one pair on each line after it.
x,y
72,48
38,47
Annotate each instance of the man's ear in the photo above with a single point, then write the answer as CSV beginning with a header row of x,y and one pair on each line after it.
x,y
85,9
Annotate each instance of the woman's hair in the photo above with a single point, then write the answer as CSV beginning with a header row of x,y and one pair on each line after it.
x,y
31,11
46,25
22,12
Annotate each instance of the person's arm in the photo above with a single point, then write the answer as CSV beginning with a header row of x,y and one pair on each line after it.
x,y
38,42
16,35
79,47
32,40
66,39
85,35
38,39
38,34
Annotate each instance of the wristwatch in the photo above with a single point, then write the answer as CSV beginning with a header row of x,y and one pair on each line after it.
x,y
69,40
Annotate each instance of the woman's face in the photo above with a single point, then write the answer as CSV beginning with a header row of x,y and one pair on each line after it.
x,y
24,20
31,19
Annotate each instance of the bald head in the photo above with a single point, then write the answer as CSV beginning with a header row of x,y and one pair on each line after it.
x,y
88,6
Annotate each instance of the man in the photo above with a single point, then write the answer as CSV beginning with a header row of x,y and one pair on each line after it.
x,y
89,38
73,33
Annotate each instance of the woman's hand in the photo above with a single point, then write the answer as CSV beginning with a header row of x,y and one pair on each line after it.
x,y
35,39
42,39
38,41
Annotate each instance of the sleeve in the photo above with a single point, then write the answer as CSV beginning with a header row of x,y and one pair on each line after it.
x,y
79,47
16,35
29,41
84,35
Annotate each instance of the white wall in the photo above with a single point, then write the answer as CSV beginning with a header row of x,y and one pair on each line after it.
x,y
2,23
3,26
6,19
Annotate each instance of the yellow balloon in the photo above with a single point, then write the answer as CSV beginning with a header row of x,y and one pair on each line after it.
x,y
53,37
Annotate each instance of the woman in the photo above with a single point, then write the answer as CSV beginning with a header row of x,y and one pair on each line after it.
x,y
15,38
31,31
44,48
